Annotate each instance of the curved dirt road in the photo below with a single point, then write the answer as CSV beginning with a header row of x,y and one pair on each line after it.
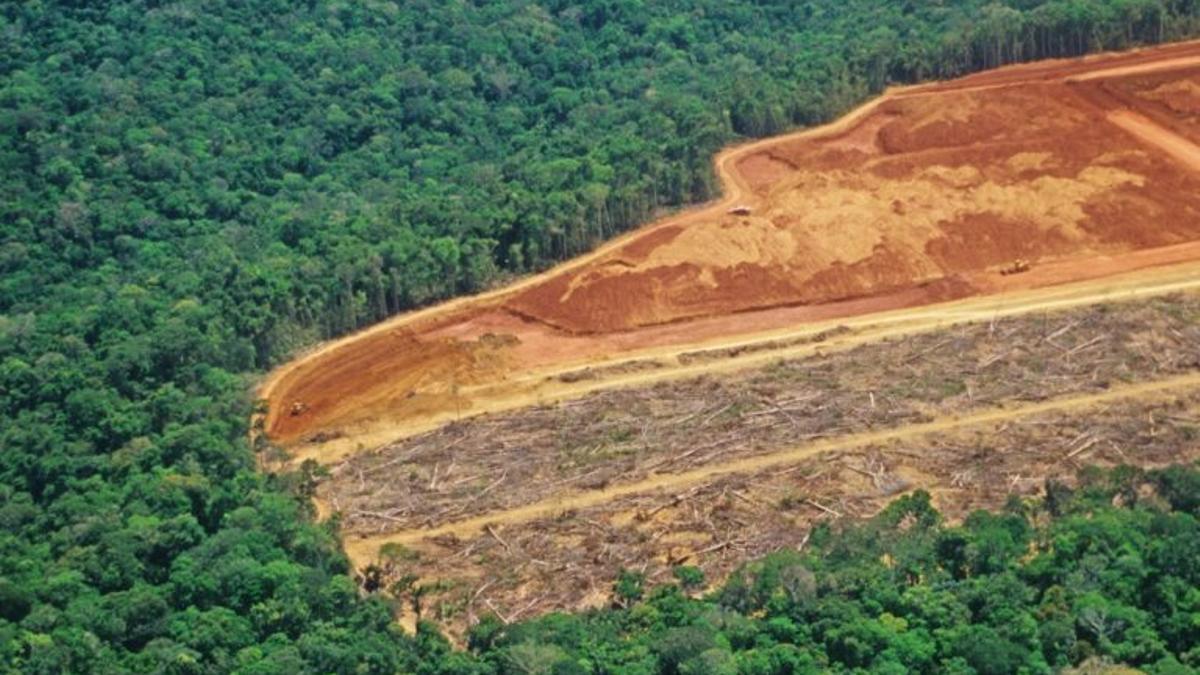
x,y
1184,151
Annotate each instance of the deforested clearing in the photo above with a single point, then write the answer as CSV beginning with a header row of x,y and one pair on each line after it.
x,y
716,469
1021,178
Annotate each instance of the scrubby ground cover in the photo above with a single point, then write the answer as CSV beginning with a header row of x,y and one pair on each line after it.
x,y
569,557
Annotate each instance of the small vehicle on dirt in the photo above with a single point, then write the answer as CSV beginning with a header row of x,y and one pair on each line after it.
x,y
740,210
298,408
1017,267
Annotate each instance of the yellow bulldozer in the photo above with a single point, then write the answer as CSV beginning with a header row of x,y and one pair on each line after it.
x,y
1017,267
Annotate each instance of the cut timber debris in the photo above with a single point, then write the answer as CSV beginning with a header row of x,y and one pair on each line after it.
x,y
483,471
499,462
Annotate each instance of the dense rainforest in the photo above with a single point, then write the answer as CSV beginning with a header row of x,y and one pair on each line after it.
x,y
193,190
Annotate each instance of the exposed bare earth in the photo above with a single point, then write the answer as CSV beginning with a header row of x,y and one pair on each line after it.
x,y
496,463
927,191
812,334
918,197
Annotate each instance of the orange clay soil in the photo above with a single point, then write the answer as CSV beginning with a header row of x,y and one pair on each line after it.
x,y
1084,167
1171,100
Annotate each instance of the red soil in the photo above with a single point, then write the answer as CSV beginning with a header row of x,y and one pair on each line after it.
x,y
916,198
929,186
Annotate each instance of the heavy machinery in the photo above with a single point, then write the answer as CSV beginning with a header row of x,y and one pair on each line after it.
x,y
1017,267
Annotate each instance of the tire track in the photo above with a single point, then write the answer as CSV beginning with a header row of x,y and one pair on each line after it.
x,y
1145,130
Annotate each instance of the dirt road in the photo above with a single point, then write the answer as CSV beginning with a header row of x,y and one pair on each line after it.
x,y
1183,150
1156,66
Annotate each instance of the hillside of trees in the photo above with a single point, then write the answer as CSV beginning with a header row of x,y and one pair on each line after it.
x,y
193,190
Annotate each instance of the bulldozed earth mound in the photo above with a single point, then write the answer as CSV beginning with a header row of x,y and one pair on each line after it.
x,y
1016,179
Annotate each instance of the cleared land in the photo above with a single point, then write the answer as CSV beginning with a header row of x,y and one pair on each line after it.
x,y
539,509
919,197
927,190
500,462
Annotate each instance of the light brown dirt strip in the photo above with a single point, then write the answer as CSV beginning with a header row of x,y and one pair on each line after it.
x,y
540,387
1137,69
1184,151
365,549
